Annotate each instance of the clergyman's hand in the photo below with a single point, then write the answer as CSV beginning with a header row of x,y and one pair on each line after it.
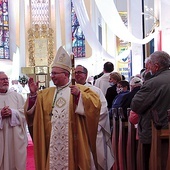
x,y
75,90
6,112
33,86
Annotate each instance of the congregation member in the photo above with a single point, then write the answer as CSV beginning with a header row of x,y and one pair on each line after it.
x,y
103,81
153,97
122,89
146,74
147,65
135,85
103,143
13,134
65,120
133,117
111,92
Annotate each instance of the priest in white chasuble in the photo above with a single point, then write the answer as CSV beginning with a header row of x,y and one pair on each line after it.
x,y
13,134
64,120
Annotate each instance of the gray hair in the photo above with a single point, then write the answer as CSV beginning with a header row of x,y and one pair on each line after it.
x,y
147,60
161,58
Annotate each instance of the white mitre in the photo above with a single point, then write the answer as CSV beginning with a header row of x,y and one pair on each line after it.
x,y
62,60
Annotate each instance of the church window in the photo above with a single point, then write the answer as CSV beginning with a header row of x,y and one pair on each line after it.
x,y
4,30
78,38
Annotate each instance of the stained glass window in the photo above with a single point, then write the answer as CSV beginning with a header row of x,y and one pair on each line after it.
x,y
78,39
4,30
40,12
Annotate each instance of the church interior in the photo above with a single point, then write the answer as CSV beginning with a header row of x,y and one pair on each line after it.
x,y
123,32
95,31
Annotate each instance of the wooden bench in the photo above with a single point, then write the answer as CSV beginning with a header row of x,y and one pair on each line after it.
x,y
159,153
131,145
140,161
115,137
168,161
123,131
123,141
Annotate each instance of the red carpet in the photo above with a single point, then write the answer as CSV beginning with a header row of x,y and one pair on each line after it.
x,y
30,155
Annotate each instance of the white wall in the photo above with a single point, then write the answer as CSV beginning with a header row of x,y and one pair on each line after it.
x,y
165,24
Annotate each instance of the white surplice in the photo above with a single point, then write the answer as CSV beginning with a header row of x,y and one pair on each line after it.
x,y
105,155
13,135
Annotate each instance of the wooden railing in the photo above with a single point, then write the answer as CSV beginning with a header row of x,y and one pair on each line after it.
x,y
115,137
123,129
128,151
159,145
131,145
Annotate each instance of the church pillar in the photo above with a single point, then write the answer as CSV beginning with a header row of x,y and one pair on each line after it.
x,y
135,26
165,24
68,29
22,35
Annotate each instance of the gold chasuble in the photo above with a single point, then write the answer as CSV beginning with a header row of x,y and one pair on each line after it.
x,y
49,124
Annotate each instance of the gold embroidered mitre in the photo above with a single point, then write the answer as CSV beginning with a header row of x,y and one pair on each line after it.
x,y
62,60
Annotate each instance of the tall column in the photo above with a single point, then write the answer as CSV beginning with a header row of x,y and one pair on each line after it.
x,y
22,35
165,24
135,25
58,20
14,38
68,32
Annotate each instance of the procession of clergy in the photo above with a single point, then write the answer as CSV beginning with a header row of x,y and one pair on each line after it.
x,y
69,123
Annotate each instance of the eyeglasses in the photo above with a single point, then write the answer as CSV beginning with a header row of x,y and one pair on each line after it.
x,y
55,73
79,72
3,79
